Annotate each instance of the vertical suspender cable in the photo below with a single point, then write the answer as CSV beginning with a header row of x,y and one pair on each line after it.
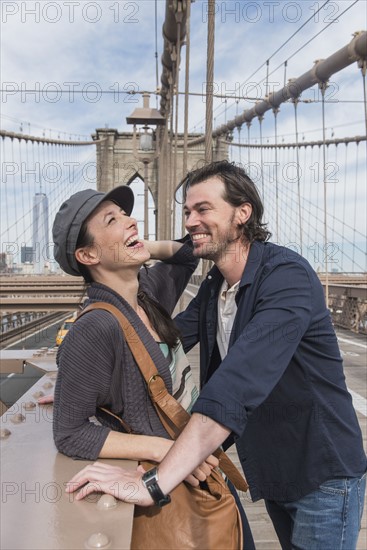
x,y
156,52
170,166
344,202
15,194
209,97
323,87
239,141
355,205
248,124
285,72
6,194
295,103
177,83
261,118
22,188
209,81
239,136
310,191
186,104
334,181
363,70
267,79
187,82
364,96
275,111
28,186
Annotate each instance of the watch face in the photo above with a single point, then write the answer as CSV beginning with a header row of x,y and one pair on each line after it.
x,y
150,482
150,476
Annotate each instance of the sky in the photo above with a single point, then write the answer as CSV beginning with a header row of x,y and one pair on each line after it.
x,y
66,66
81,57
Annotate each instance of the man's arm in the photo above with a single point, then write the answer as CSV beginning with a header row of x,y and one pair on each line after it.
x,y
200,437
166,280
252,368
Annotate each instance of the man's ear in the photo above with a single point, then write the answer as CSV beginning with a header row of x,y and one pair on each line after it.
x,y
88,255
244,213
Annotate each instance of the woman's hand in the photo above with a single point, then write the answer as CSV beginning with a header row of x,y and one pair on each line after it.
x,y
46,399
123,484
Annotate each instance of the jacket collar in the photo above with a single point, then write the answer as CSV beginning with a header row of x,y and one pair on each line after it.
x,y
253,262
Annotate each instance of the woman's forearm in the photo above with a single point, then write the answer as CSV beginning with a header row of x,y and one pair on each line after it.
x,y
135,447
162,250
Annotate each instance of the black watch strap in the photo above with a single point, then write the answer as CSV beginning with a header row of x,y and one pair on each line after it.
x,y
150,481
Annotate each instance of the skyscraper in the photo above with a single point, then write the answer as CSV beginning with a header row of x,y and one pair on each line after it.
x,y
40,232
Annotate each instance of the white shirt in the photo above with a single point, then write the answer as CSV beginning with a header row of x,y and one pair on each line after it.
x,y
227,309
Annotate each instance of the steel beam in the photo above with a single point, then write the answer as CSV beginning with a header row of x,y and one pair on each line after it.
x,y
52,303
320,73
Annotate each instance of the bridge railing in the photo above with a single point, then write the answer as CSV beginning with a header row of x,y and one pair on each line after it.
x,y
33,484
347,299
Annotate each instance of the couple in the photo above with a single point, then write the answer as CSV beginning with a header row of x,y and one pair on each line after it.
x,y
267,345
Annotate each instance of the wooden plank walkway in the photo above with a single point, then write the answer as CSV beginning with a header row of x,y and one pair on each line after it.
x,y
261,525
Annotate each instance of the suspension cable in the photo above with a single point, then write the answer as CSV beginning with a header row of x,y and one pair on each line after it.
x,y
355,200
275,112
344,197
248,141
260,119
363,71
209,81
323,86
280,47
295,103
156,50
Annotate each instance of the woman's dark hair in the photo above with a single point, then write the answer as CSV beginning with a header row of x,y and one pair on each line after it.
x,y
85,239
159,318
239,188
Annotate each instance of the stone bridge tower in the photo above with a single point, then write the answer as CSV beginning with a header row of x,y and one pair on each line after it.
x,y
119,162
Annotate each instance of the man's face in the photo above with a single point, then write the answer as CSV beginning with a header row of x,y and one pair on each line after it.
x,y
211,221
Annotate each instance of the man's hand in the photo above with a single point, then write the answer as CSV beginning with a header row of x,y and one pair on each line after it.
x,y
202,471
162,250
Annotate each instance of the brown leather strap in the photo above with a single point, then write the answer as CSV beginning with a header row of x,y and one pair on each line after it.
x,y
172,415
126,426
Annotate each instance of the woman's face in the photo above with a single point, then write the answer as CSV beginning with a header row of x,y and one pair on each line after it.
x,y
115,237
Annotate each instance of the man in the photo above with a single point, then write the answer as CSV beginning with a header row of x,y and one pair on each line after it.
x,y
271,373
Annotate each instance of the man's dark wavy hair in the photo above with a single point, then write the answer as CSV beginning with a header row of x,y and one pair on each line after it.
x,y
239,188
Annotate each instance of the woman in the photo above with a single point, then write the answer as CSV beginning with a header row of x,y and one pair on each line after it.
x,y
95,237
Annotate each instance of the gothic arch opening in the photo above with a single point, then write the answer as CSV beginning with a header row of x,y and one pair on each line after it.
x,y
136,183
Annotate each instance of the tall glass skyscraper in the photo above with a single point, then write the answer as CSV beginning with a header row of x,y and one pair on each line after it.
x,y
40,241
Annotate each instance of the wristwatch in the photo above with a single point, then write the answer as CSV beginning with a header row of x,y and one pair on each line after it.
x,y
150,481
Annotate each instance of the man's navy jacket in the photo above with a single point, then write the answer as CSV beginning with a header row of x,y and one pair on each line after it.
x,y
281,388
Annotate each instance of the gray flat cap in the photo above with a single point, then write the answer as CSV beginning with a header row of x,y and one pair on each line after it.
x,y
71,216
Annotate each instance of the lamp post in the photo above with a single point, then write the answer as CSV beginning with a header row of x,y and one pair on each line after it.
x,y
148,145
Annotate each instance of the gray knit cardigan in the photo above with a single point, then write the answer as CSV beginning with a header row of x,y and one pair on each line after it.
x,y
97,369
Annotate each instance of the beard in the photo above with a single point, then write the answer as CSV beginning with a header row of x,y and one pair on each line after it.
x,y
222,245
